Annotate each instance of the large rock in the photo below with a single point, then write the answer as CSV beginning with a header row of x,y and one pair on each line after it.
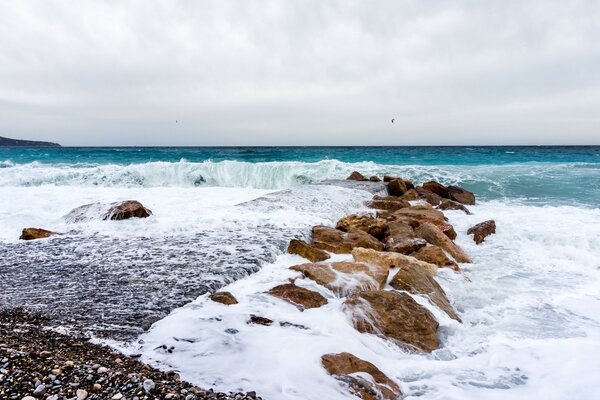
x,y
307,251
420,212
373,226
416,280
397,187
446,228
113,211
36,233
411,195
356,176
224,298
437,188
351,370
430,197
400,237
386,259
447,204
336,241
298,296
435,255
374,178
393,315
388,205
435,236
344,278
482,230
461,195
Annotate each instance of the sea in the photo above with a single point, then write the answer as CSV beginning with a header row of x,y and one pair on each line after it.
x,y
222,218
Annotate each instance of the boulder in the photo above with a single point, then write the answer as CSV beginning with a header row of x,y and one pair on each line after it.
x,y
430,197
36,233
387,204
256,319
386,259
336,241
389,178
446,228
461,195
420,212
374,179
435,236
351,370
416,280
395,316
306,250
223,298
400,237
447,204
482,230
356,176
397,187
375,227
410,195
344,278
113,211
298,296
435,255
437,188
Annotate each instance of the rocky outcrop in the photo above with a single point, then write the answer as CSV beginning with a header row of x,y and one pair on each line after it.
x,y
393,315
482,230
307,251
224,298
435,255
356,176
430,197
298,296
397,187
419,213
351,370
343,277
447,204
461,195
435,236
113,211
375,227
416,280
446,228
389,260
36,233
437,188
400,237
336,241
388,205
411,195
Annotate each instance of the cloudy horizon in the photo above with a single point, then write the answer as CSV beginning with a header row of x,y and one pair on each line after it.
x,y
300,73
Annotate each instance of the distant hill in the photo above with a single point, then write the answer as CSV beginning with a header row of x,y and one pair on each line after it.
x,y
6,142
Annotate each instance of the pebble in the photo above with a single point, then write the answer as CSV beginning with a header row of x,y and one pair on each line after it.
x,y
117,396
69,363
56,371
102,370
28,398
40,390
81,394
149,385
97,387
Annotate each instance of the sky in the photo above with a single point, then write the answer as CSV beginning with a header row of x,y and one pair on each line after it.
x,y
300,72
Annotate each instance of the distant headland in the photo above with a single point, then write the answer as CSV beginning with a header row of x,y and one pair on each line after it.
x,y
7,142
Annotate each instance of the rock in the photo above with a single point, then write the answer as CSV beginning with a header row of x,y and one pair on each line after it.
x,y
307,251
482,230
387,205
430,197
255,319
81,394
343,277
435,255
418,213
447,204
461,195
411,195
393,315
149,385
117,396
388,178
375,227
97,387
400,237
336,241
350,369
298,296
223,298
40,390
389,260
437,188
416,280
356,176
375,179
397,187
446,228
113,211
435,236
28,398
36,233
102,370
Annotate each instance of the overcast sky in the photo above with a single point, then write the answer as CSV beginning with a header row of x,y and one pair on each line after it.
x,y
300,72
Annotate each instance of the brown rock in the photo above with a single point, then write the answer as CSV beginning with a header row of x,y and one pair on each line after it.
x,y
461,195
400,237
435,255
397,187
375,179
435,236
256,319
298,296
307,251
114,211
391,260
349,369
393,315
387,205
447,204
344,278
223,298
437,188
410,195
446,228
388,178
356,176
416,280
373,226
430,197
420,212
36,233
336,241
482,230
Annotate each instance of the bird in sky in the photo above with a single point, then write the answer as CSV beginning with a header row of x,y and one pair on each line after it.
x,y
393,120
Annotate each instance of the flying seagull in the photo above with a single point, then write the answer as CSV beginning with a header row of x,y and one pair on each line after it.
x,y
393,120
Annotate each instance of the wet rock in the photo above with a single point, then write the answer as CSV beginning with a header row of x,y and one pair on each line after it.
x,y
430,197
446,228
113,211
350,369
411,195
356,176
387,204
435,236
36,233
435,255
437,188
461,195
375,179
417,280
223,298
419,213
149,385
393,315
397,187
389,260
307,251
482,230
81,394
447,204
300,297
336,241
255,319
40,390
400,237
375,227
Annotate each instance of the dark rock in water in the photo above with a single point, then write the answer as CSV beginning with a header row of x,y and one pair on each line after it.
x,y
435,236
7,142
447,204
437,188
36,233
400,238
356,176
223,298
430,197
482,230
397,187
255,319
461,195
113,211
350,369
298,296
375,179
306,250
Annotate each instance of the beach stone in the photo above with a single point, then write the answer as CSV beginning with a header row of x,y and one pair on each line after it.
x,y
344,277
461,195
303,249
102,370
350,369
224,298
447,204
300,297
482,230
387,204
387,260
430,197
435,236
356,176
81,394
400,237
411,195
397,187
395,316
36,233
375,227
28,398
416,280
437,188
97,387
375,179
435,255
255,319
149,385
336,241
117,396
40,390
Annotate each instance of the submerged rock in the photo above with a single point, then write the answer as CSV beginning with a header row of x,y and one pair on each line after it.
x,y
336,241
350,369
435,236
389,260
356,176
298,296
461,195
306,250
36,233
258,320
223,298
113,211
482,230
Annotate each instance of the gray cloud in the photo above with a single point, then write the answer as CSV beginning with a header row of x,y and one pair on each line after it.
x,y
300,73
